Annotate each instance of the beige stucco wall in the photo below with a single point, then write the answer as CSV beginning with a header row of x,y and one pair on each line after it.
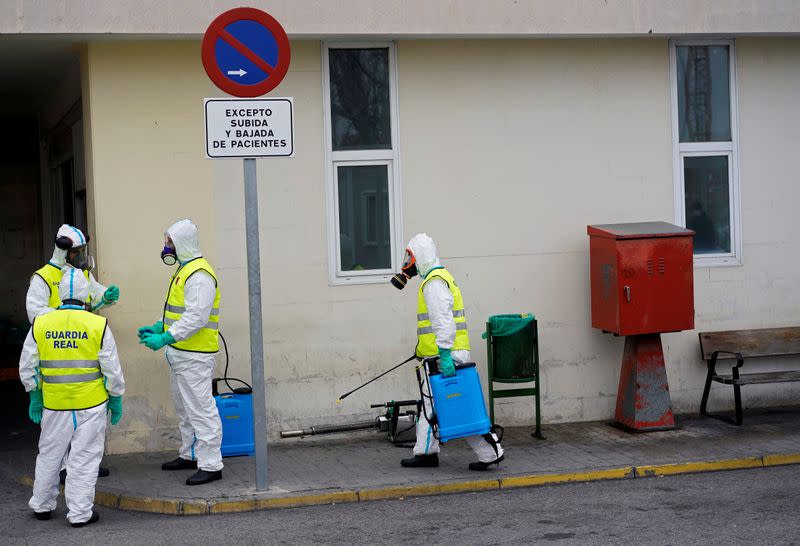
x,y
520,143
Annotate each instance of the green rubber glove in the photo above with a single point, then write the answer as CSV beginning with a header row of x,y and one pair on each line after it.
x,y
36,406
446,365
115,408
112,294
157,341
156,328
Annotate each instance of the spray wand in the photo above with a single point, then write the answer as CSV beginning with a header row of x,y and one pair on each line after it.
x,y
342,397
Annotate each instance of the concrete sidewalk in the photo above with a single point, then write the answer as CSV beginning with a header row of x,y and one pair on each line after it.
x,y
365,466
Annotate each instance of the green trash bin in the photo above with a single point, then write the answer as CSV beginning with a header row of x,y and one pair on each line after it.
x,y
512,346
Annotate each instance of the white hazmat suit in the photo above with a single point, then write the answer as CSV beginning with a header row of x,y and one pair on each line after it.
x,y
191,373
37,300
439,301
81,432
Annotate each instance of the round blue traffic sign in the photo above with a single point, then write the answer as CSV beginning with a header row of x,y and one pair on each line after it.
x,y
245,52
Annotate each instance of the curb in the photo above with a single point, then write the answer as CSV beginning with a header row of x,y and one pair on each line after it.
x,y
177,507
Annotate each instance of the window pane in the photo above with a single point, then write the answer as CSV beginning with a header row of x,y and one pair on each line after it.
x,y
704,103
360,114
708,203
364,217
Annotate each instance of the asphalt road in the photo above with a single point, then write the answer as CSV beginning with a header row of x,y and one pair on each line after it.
x,y
739,507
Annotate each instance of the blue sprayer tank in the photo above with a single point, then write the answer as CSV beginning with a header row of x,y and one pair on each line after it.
x,y
236,414
459,404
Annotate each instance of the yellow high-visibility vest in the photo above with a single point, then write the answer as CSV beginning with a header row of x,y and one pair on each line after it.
x,y
52,276
206,340
426,338
69,341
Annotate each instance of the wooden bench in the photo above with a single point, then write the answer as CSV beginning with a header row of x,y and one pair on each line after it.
x,y
741,344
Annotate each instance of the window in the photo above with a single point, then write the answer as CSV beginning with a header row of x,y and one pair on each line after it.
x,y
362,165
705,148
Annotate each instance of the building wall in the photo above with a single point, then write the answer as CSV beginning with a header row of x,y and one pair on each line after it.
x,y
410,18
508,150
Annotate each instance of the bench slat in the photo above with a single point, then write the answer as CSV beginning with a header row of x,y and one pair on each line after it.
x,y
761,342
756,378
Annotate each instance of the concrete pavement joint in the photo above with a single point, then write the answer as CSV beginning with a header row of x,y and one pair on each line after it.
x,y
177,507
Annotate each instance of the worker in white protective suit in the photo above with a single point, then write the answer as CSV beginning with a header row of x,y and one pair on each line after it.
x,y
70,367
442,332
190,328
71,247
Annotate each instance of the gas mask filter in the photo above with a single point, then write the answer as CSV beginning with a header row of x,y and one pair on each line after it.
x,y
399,280
168,255
408,270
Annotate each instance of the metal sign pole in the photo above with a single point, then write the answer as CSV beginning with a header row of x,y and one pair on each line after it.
x,y
256,331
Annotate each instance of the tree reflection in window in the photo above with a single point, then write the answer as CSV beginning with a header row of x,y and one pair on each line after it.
x,y
360,112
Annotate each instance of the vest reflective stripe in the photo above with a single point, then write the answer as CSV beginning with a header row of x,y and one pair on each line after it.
x,y
69,364
52,276
426,338
206,340
429,329
69,342
180,309
456,314
212,325
74,378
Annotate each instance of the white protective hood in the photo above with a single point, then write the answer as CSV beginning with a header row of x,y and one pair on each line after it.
x,y
424,250
75,235
73,285
187,241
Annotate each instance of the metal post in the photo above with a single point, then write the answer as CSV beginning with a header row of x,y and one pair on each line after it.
x,y
256,332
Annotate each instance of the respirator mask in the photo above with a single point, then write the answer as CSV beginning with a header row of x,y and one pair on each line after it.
x,y
408,270
77,256
168,255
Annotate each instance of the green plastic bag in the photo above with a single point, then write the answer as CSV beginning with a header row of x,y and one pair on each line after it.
x,y
507,325
512,347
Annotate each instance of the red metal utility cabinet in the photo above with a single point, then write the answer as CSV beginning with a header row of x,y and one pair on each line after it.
x,y
642,278
642,285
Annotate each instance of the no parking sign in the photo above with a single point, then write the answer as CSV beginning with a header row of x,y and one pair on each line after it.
x,y
246,52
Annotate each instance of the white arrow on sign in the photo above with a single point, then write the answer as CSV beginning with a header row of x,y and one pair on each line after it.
x,y
241,72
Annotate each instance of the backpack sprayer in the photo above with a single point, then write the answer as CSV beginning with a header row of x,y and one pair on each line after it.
x,y
236,413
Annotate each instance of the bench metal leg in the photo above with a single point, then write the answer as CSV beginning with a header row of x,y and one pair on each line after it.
x,y
706,391
737,395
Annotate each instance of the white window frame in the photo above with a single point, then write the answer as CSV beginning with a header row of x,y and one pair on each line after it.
x,y
703,149
390,157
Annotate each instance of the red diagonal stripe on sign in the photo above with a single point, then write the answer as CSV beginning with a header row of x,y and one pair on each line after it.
x,y
246,51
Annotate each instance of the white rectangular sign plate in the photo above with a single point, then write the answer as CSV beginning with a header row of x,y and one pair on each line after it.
x,y
249,127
